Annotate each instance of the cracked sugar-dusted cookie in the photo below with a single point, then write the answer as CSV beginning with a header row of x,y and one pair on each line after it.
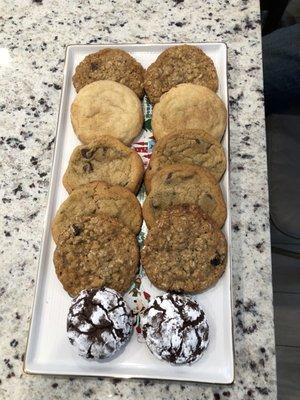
x,y
175,329
106,108
179,64
99,323
107,160
113,65
184,251
95,197
189,106
96,252
184,184
187,146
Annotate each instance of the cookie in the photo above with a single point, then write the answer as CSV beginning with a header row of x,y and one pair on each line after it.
x,y
95,197
113,65
107,160
99,323
106,108
179,64
189,106
175,329
192,146
184,251
95,252
184,184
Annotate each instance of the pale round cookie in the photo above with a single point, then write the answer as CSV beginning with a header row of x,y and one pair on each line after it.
x,y
184,251
95,197
106,108
175,329
184,184
110,64
99,323
187,146
95,252
179,64
105,159
189,106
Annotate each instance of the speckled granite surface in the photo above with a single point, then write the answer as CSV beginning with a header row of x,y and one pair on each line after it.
x,y
33,36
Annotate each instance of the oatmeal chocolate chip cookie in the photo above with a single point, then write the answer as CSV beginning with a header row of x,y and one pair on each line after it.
x,y
113,65
184,184
175,329
187,146
106,108
99,323
96,252
179,64
189,106
95,197
184,251
107,160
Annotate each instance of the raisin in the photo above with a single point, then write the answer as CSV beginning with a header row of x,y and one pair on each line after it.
x,y
216,261
88,168
94,66
86,153
75,229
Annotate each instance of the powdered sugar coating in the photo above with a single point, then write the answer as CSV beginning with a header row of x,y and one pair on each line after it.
x,y
99,323
175,329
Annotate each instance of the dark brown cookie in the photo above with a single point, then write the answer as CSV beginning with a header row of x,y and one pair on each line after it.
x,y
96,252
184,251
110,64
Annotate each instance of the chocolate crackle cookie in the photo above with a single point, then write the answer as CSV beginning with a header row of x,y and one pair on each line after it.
x,y
98,197
96,252
184,251
106,108
175,329
113,65
179,64
99,323
184,184
105,159
189,106
187,146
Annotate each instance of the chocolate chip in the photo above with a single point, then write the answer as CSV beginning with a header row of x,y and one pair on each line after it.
x,y
88,168
215,261
87,153
75,229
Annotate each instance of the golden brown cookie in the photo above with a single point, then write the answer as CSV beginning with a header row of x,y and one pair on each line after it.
x,y
184,184
107,160
99,197
179,64
189,106
113,65
96,252
184,251
187,146
106,108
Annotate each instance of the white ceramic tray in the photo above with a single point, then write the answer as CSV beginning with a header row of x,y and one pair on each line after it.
x,y
48,349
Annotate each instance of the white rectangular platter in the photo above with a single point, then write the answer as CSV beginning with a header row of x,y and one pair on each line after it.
x,y
48,349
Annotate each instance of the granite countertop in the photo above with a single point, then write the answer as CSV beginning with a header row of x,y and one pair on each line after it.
x,y
33,36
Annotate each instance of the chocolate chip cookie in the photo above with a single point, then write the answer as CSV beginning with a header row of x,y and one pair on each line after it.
x,y
113,65
190,146
184,251
189,106
106,159
95,197
179,64
106,108
95,252
184,184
